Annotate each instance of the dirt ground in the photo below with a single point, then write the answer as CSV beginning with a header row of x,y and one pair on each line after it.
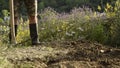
x,y
67,54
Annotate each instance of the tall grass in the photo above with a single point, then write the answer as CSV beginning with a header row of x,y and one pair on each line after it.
x,y
81,23
68,26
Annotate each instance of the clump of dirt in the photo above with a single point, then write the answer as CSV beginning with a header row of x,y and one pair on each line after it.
x,y
66,54
85,54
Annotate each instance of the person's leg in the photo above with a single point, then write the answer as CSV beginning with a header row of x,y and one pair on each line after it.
x,y
31,6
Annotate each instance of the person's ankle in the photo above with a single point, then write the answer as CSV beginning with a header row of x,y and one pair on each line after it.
x,y
36,43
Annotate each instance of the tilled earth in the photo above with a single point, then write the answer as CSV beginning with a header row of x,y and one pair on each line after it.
x,y
67,54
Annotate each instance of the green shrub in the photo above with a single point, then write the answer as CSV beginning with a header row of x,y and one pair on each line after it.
x,y
1,20
80,23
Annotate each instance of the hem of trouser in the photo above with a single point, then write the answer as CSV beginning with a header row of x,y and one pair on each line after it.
x,y
34,33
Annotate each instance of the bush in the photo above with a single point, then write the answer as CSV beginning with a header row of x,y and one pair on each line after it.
x,y
71,26
1,20
80,23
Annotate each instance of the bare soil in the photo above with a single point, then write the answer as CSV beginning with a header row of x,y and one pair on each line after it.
x,y
67,54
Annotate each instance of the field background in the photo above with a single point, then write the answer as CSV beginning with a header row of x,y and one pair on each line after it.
x,y
75,33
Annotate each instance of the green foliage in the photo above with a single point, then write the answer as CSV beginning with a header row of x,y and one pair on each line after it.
x,y
41,5
4,63
5,12
1,20
113,25
80,23
61,5
116,26
94,26
23,33
96,33
76,25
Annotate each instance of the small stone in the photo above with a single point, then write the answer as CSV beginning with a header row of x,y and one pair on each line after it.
x,y
102,51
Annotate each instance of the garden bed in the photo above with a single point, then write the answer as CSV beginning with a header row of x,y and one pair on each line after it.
x,y
66,54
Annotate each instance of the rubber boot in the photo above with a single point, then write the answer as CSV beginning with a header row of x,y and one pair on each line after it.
x,y
15,27
34,34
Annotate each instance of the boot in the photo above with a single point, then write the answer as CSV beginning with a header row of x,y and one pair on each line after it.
x,y
16,27
34,34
